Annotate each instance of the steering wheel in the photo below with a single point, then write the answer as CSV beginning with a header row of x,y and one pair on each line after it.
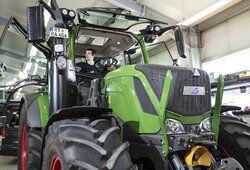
x,y
106,62
103,63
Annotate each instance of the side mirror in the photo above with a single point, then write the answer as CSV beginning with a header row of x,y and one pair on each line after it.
x,y
175,62
179,42
35,24
3,68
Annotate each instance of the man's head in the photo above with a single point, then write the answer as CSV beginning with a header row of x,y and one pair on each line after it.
x,y
89,55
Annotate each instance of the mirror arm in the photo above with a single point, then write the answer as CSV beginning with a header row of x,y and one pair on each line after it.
x,y
47,7
57,12
163,30
53,10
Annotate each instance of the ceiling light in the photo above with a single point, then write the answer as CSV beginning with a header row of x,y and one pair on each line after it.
x,y
35,70
10,83
23,74
33,51
118,43
28,66
207,12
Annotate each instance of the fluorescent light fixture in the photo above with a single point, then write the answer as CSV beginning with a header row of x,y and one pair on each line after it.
x,y
10,83
35,70
46,15
28,66
207,12
23,74
33,51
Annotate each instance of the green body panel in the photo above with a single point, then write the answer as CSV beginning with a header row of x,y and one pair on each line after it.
x,y
217,108
119,88
144,51
72,44
161,110
43,102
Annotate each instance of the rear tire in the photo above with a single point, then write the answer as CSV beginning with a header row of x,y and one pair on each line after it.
x,y
234,140
85,144
29,144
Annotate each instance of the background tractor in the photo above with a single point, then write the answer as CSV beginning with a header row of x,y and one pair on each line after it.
x,y
136,116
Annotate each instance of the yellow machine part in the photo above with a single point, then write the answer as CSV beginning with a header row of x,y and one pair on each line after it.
x,y
111,68
198,155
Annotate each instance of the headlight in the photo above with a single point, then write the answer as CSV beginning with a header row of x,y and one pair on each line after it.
x,y
61,62
64,11
174,126
205,125
72,14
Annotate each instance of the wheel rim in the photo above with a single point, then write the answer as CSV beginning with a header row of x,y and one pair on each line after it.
x,y
24,148
56,164
223,151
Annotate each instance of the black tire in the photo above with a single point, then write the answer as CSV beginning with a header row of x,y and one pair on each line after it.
x,y
85,144
10,142
234,140
33,144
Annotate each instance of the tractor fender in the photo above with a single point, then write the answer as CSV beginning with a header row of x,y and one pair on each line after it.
x,y
36,105
74,112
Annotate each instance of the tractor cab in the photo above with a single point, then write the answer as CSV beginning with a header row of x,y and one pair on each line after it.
x,y
114,33
118,39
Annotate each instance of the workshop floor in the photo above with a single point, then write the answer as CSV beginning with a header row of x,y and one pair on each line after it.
x,y
7,162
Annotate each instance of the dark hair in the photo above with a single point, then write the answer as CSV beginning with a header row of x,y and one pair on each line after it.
x,y
92,50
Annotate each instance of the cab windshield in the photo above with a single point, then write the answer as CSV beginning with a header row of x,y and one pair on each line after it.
x,y
112,18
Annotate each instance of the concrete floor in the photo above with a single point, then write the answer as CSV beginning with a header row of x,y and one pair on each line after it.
x,y
7,162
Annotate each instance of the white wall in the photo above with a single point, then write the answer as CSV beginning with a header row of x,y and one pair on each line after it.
x,y
232,63
226,38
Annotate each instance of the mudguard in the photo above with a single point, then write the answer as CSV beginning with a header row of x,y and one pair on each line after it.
x,y
36,105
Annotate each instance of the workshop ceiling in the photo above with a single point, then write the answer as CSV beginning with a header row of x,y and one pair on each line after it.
x,y
174,11
177,9
171,11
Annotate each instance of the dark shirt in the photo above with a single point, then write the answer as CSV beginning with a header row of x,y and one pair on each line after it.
x,y
84,82
86,68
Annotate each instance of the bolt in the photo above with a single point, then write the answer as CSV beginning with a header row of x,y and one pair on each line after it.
x,y
162,142
163,152
172,138
170,148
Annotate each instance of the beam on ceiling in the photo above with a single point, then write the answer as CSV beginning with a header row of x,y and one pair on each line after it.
x,y
130,5
153,14
235,10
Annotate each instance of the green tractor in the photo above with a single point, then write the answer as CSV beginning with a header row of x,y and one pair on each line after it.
x,y
139,116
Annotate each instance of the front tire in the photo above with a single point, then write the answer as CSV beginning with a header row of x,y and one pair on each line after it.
x,y
85,144
29,144
234,140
